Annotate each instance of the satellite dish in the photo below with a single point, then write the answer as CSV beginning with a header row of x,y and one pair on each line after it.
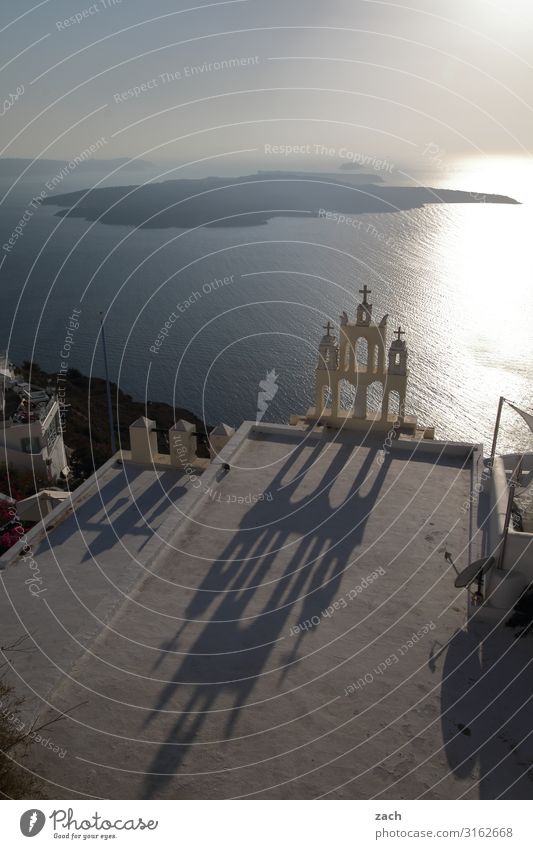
x,y
473,571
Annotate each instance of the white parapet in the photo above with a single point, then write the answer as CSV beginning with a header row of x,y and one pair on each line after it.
x,y
218,438
143,441
182,443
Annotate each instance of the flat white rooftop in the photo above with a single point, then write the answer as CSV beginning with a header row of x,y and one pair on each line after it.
x,y
287,629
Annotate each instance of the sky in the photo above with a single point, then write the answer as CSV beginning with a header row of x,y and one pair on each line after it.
x,y
368,78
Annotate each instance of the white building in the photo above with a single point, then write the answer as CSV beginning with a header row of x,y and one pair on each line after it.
x,y
7,370
30,428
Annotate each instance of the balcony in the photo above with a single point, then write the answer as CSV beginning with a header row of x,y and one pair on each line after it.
x,y
24,413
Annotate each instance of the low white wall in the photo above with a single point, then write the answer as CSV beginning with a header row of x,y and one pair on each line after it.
x,y
434,447
57,515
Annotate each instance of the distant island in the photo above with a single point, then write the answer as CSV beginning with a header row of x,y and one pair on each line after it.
x,y
250,200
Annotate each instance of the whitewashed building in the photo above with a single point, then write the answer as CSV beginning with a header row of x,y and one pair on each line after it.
x,y
30,428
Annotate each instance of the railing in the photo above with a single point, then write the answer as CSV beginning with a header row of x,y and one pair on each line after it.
x,y
27,416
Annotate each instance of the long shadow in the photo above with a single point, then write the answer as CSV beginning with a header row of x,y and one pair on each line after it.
x,y
137,519
487,709
460,702
312,565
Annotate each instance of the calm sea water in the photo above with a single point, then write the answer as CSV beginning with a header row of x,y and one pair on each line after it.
x,y
456,277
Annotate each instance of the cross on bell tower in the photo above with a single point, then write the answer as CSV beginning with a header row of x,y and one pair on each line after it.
x,y
398,354
364,292
364,309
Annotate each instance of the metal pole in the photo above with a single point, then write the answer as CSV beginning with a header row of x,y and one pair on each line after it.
x,y
516,476
506,525
496,429
108,389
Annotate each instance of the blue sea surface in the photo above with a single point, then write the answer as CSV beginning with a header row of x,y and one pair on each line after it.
x,y
246,300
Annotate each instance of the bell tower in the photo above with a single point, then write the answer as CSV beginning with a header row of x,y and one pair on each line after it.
x,y
362,361
398,354
361,383
327,365
397,371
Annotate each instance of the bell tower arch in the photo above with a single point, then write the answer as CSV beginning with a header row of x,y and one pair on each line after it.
x,y
359,373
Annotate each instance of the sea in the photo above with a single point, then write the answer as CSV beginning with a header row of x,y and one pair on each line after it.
x,y
250,301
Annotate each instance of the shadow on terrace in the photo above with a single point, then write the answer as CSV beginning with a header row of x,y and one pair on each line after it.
x,y
314,570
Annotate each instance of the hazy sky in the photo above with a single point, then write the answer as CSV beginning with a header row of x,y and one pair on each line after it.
x,y
379,78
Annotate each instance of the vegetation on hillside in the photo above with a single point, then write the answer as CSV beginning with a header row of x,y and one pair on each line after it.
x,y
86,428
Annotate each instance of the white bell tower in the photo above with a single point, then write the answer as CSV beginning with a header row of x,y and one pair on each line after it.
x,y
359,382
397,372
327,366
